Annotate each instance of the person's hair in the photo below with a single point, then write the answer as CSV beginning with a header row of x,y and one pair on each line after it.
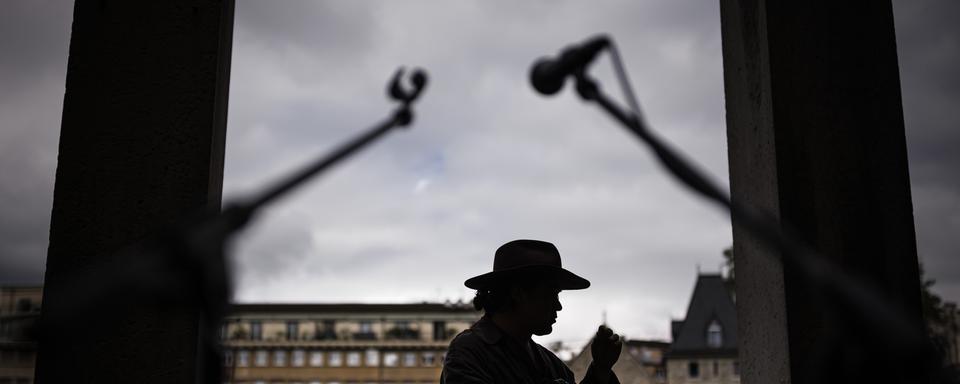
x,y
497,299
490,301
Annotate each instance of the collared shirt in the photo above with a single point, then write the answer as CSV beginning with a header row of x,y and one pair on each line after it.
x,y
484,355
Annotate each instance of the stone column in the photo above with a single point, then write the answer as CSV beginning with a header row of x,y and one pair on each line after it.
x,y
816,136
141,145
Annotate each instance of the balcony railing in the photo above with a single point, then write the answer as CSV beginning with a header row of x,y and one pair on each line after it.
x,y
403,334
325,335
364,336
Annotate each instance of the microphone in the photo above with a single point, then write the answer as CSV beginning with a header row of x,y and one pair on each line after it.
x,y
547,75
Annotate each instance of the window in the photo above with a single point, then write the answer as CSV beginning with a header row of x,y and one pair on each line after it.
x,y
256,330
439,330
260,358
661,373
279,358
298,357
292,330
402,331
316,359
390,359
429,359
24,305
693,369
243,358
326,330
714,335
366,326
336,359
373,358
353,359
410,359
365,331
647,355
228,358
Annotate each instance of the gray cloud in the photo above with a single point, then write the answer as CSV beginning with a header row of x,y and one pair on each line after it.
x,y
504,163
33,39
487,160
928,40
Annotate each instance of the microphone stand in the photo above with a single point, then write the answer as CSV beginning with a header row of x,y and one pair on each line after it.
x,y
207,239
185,265
844,290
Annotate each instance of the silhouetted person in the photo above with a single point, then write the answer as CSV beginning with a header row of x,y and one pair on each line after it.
x,y
519,299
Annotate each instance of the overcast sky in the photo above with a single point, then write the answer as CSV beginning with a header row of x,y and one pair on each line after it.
x,y
487,160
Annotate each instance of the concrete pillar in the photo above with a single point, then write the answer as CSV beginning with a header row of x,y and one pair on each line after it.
x,y
141,145
816,136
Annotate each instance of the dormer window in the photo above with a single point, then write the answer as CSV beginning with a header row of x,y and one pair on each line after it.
x,y
714,335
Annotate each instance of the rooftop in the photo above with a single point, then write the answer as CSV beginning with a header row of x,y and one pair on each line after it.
x,y
350,308
711,302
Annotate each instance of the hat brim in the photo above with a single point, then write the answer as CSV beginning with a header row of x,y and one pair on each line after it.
x,y
561,278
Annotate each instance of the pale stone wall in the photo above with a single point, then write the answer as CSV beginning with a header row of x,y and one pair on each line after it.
x,y
333,362
19,314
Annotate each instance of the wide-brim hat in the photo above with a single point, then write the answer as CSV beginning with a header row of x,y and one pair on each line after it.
x,y
527,258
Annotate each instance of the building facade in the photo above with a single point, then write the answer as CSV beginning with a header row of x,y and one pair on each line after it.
x,y
341,343
704,347
19,316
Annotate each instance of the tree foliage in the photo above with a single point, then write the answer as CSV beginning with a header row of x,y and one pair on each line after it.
x,y
728,264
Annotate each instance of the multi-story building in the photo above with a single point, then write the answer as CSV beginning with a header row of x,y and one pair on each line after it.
x,y
19,316
704,348
641,362
341,343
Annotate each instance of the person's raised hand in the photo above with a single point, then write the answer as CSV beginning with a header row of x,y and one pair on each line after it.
x,y
605,348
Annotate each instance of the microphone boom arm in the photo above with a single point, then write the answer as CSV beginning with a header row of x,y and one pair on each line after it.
x,y
185,264
831,282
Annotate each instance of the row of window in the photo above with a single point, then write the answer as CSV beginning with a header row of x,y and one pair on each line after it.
x,y
26,380
14,356
21,380
325,330
693,368
303,358
314,382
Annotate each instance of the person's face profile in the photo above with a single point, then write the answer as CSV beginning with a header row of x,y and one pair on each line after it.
x,y
539,306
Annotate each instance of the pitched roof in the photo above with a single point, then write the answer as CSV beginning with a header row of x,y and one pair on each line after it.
x,y
711,301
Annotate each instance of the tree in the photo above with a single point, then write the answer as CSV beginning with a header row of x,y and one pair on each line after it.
x,y
941,318
728,264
